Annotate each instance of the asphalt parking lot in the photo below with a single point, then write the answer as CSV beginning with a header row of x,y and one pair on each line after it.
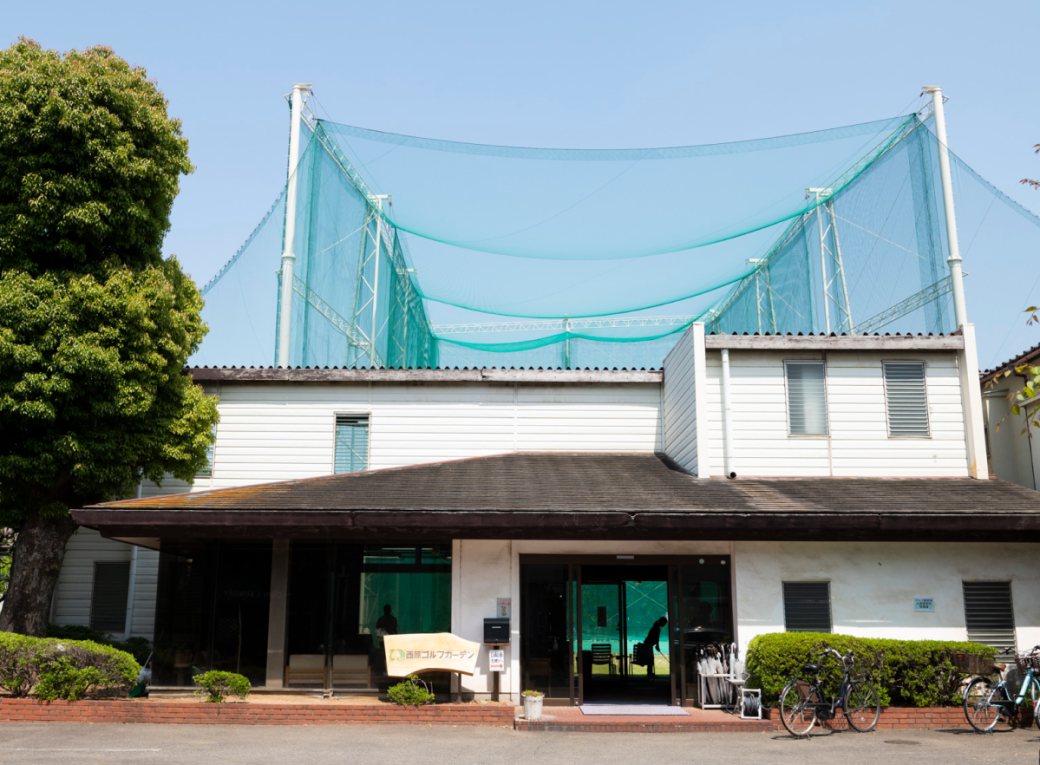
x,y
370,745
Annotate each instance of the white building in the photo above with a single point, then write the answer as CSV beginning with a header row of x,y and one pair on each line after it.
x,y
587,503
1012,454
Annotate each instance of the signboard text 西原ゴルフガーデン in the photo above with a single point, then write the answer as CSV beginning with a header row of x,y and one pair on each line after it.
x,y
439,651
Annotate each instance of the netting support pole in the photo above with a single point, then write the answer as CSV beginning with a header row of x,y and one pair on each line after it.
x,y
823,263
288,255
957,277
375,278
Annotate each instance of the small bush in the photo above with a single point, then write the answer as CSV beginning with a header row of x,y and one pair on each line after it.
x,y
50,668
532,694
216,685
410,692
909,673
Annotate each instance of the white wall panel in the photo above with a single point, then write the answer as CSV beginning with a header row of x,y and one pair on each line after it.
x,y
679,403
858,444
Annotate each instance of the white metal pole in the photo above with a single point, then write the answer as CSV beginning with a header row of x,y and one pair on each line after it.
x,y
841,266
727,421
375,278
823,264
288,255
960,311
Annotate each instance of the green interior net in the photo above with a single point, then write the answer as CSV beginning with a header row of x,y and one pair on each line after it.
x,y
495,256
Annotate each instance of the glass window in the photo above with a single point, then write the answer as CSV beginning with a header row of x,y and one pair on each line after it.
x,y
545,648
207,469
807,606
989,614
351,444
906,398
806,398
108,598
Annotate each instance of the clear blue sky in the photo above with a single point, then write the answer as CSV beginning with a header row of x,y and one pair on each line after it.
x,y
587,75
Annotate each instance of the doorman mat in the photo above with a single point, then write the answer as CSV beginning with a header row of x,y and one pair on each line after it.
x,y
642,710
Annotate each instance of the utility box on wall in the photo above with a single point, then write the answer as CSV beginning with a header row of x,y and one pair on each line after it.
x,y
496,631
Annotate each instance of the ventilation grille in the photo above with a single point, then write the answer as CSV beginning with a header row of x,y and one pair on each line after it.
x,y
807,606
988,613
108,599
806,399
907,403
351,444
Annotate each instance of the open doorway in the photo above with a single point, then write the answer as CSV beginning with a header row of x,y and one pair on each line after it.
x,y
625,645
621,629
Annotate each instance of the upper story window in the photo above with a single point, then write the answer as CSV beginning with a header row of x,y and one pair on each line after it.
x,y
806,398
906,398
207,469
351,443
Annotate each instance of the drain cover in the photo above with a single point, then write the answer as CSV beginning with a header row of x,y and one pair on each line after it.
x,y
902,741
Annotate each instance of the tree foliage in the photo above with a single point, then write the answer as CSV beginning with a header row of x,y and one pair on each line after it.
x,y
95,325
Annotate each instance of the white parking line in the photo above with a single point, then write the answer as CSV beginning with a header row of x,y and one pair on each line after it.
x,y
88,749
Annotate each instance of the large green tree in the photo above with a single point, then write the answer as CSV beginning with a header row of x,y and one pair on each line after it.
x,y
95,325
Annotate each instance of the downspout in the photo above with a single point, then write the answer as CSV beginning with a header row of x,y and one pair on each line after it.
x,y
131,590
727,419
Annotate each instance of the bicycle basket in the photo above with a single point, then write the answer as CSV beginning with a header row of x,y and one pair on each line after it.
x,y
1025,663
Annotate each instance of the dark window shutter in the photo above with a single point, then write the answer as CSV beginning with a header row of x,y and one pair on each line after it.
x,y
988,613
906,398
807,606
108,599
351,444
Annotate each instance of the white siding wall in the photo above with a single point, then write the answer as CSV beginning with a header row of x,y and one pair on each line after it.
x,y
873,585
858,444
679,399
72,596
271,432
280,432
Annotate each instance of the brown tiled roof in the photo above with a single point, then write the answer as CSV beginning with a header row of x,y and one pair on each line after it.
x,y
587,495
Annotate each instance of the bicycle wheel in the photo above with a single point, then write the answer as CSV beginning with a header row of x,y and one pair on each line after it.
x,y
862,706
979,707
1034,696
798,714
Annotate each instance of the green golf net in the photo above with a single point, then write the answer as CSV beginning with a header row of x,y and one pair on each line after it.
x,y
422,253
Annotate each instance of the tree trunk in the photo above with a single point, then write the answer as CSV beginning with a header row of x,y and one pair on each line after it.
x,y
38,554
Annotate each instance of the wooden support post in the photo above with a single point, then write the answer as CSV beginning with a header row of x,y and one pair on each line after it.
x,y
279,612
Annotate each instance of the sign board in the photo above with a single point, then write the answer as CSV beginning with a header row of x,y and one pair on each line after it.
x,y
434,652
497,660
925,604
504,608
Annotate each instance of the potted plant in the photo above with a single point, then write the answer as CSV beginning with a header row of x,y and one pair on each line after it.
x,y
533,704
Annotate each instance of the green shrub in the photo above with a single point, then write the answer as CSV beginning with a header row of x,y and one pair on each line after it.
x,y
52,668
410,692
139,647
216,685
910,673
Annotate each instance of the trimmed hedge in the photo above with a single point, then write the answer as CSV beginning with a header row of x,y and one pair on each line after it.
x,y
138,647
51,668
907,673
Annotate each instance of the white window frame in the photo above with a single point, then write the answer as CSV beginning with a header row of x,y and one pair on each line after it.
x,y
826,403
368,445
927,406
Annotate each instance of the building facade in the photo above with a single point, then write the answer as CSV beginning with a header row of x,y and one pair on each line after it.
x,y
627,523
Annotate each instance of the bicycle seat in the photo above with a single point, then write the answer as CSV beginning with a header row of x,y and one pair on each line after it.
x,y
1000,667
812,668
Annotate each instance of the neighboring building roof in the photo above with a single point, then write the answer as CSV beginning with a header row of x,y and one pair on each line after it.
x,y
1030,355
583,496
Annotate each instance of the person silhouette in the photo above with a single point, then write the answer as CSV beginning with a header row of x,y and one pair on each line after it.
x,y
387,623
652,643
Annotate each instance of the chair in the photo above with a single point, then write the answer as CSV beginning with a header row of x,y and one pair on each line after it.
x,y
308,668
603,653
350,670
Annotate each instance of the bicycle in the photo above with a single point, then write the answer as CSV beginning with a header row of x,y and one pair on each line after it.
x,y
804,702
985,703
